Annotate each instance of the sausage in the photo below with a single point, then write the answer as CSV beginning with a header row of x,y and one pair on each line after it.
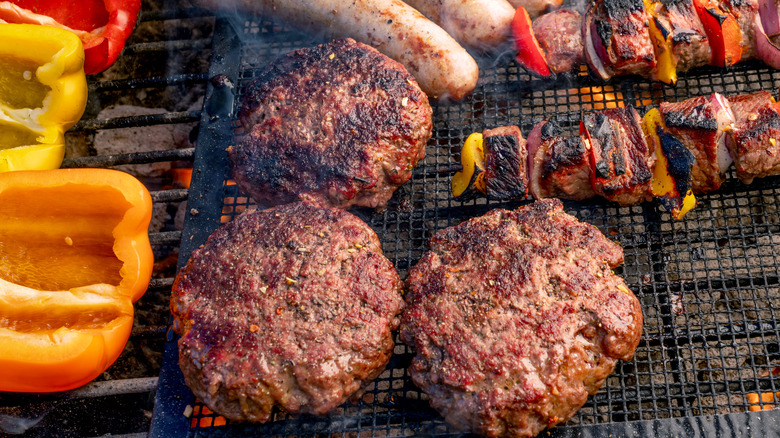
x,y
536,8
441,66
480,24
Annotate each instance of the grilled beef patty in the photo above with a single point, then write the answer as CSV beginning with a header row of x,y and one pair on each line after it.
x,y
339,124
516,317
291,306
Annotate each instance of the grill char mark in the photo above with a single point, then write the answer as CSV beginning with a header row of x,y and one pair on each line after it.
x,y
506,156
622,158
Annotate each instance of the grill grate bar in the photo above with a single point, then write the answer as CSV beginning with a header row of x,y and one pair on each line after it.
x,y
167,46
117,85
160,283
174,14
135,121
171,195
132,158
165,237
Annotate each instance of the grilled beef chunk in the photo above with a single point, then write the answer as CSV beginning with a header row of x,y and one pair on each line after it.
x,y
506,175
559,35
291,306
620,33
745,12
515,317
622,160
558,166
339,124
748,105
699,123
689,39
755,144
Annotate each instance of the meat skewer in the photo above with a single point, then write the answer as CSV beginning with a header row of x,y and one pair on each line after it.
x,y
673,152
652,38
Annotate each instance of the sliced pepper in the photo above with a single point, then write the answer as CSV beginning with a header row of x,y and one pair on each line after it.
x,y
529,54
723,32
672,169
43,92
74,256
470,180
102,25
666,68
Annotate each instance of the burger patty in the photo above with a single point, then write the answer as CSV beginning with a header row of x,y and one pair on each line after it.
x,y
515,317
340,124
291,306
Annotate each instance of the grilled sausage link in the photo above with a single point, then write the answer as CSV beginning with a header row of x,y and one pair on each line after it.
x,y
441,66
481,24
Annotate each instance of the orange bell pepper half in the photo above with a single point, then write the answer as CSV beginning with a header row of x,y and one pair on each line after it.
x,y
74,256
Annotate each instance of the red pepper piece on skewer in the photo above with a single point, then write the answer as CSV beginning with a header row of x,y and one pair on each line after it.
x,y
529,54
722,31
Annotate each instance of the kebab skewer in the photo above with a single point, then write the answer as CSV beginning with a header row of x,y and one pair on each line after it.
x,y
674,152
650,38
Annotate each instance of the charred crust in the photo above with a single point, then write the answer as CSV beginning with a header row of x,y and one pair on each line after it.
x,y
620,9
549,130
505,164
680,161
604,31
700,117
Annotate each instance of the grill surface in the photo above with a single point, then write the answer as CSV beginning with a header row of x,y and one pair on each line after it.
x,y
708,284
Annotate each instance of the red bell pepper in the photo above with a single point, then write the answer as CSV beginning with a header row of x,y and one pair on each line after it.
x,y
722,31
530,55
102,25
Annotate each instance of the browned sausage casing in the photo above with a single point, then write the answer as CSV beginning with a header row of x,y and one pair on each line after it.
x,y
481,24
441,66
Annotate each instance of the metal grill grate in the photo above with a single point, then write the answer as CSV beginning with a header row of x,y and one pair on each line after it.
x,y
708,285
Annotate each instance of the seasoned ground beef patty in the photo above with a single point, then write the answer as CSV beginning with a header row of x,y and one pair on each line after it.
x,y
516,317
339,123
291,306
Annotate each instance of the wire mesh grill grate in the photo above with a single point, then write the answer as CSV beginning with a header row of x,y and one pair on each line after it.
x,y
708,284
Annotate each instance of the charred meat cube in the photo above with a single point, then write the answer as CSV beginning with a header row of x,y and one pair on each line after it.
x,y
679,22
620,38
748,105
558,166
621,158
700,123
560,37
754,144
506,176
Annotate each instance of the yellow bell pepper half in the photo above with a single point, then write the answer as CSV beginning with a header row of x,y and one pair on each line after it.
x,y
43,92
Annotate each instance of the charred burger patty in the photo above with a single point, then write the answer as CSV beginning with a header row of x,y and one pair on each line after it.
x,y
291,306
339,123
515,317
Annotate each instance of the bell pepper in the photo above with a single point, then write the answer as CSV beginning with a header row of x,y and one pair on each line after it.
x,y
671,182
666,68
723,32
102,25
470,180
529,54
43,92
74,256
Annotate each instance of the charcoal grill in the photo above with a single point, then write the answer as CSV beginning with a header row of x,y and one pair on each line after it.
x,y
708,284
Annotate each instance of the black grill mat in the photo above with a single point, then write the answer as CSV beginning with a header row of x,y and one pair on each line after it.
x,y
708,284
